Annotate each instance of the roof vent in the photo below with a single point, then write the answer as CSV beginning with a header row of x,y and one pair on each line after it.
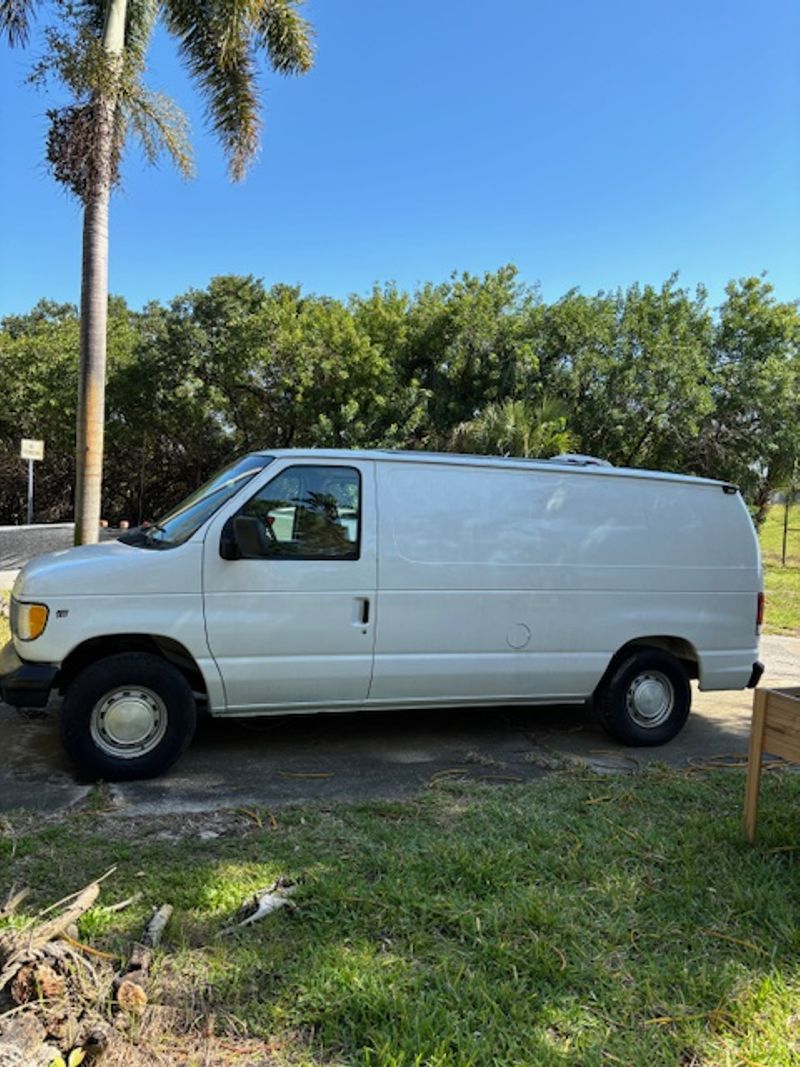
x,y
575,459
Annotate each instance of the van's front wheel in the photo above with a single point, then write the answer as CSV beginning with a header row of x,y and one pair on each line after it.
x,y
645,699
127,716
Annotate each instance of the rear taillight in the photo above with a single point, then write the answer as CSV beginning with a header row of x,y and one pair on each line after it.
x,y
759,611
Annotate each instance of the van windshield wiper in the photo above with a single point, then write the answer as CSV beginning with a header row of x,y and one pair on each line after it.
x,y
141,536
150,530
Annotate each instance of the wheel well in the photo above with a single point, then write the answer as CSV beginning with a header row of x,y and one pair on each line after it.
x,y
679,647
99,647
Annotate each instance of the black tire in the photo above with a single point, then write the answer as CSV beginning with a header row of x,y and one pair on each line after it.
x,y
629,695
137,685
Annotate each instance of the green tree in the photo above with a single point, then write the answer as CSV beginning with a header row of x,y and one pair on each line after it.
x,y
635,371
39,366
284,369
752,434
165,433
98,51
466,346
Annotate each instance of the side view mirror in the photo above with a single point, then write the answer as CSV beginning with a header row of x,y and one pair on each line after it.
x,y
228,548
243,537
250,538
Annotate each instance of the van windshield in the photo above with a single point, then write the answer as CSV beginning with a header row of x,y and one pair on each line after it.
x,y
179,524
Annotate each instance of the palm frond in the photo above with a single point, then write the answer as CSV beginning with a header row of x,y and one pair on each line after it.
x,y
233,23
139,23
219,41
75,57
15,19
215,43
91,14
160,126
287,36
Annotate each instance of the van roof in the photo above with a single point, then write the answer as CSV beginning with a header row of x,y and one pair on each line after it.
x,y
458,459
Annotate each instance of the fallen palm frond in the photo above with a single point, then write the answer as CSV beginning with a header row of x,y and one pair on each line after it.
x,y
13,901
58,999
30,944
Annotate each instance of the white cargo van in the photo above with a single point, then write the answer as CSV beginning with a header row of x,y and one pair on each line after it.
x,y
333,580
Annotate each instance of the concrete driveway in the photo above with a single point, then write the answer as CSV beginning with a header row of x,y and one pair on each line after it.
x,y
267,762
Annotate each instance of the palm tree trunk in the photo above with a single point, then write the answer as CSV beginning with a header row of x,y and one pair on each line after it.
x,y
92,375
94,304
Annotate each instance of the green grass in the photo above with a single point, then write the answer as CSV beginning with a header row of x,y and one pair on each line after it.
x,y
782,584
579,920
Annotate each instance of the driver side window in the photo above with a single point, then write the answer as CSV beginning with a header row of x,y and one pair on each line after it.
x,y
310,513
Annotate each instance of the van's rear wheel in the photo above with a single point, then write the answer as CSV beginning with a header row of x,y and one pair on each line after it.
x,y
127,716
645,699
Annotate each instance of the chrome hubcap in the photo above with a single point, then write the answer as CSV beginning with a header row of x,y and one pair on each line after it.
x,y
128,722
650,699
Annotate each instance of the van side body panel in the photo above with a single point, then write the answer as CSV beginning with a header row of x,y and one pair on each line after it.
x,y
511,583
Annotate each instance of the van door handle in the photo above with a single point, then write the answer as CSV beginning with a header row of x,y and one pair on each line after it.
x,y
361,612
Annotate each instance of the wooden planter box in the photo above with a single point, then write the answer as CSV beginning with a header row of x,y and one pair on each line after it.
x,y
775,729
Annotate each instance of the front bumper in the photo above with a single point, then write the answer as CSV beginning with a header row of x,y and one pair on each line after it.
x,y
24,685
755,675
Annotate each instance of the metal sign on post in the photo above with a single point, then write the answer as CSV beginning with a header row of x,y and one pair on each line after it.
x,y
30,449
33,451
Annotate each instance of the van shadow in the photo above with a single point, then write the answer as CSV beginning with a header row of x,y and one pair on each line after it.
x,y
364,755
359,755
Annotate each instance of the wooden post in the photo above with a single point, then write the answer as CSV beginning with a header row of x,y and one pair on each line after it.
x,y
787,504
754,763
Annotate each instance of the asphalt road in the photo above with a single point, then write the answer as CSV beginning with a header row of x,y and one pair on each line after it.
x,y
18,544
269,762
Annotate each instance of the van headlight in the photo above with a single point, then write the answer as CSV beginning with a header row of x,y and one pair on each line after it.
x,y
28,620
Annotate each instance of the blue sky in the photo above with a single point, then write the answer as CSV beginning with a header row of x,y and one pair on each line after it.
x,y
592,144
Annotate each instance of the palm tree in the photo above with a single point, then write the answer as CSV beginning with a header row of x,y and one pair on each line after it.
x,y
516,428
97,49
